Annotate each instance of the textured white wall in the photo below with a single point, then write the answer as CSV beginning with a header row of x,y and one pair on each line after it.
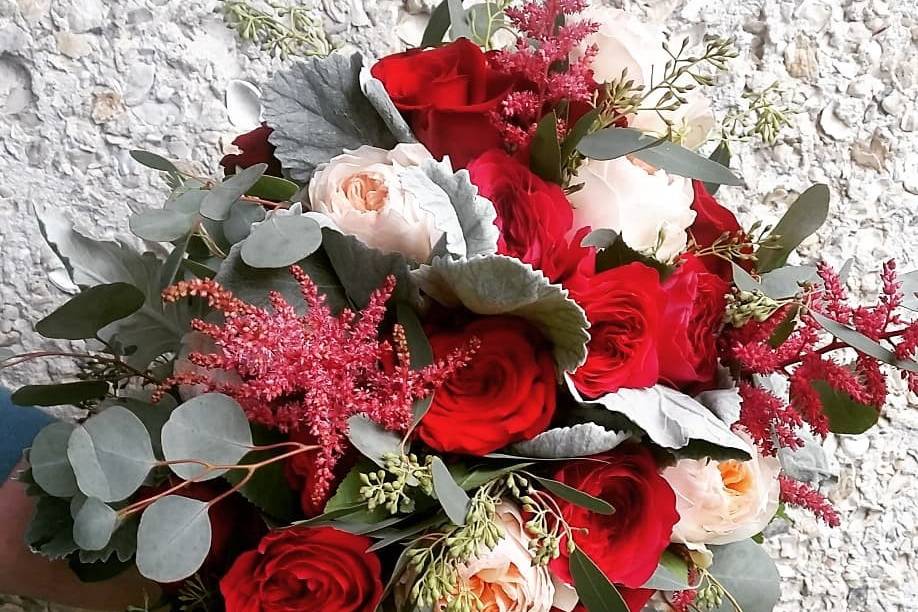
x,y
84,81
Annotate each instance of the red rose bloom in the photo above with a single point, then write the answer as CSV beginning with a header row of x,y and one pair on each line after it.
x,y
623,306
625,546
305,568
255,150
531,214
693,311
711,222
447,95
506,394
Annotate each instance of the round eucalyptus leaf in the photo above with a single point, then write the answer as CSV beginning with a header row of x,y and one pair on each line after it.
x,y
90,310
48,459
161,225
111,454
211,427
281,240
238,225
173,538
94,524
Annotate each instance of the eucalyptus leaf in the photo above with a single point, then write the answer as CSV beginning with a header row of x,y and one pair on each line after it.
x,y
545,153
785,282
173,264
808,463
317,109
600,238
672,574
748,574
90,310
575,496
454,500
671,419
498,284
48,459
910,290
154,161
161,225
211,428
371,440
578,133
153,416
458,26
60,394
846,415
242,216
676,159
581,440
614,142
173,539
803,217
221,197
597,593
281,240
111,454
273,188
862,343
721,155
437,25
743,280
94,524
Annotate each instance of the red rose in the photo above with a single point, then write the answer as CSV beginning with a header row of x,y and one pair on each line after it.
x,y
531,214
447,95
624,307
506,394
627,545
255,150
693,312
305,568
711,222
569,263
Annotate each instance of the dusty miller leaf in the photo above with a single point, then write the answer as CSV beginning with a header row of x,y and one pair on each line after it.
x,y
376,93
581,440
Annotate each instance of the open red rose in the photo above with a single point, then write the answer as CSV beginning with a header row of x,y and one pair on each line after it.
x,y
627,545
531,214
624,307
506,394
693,311
447,95
305,568
711,222
255,150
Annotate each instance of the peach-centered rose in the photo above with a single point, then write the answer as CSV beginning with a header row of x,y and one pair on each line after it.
x,y
362,193
506,578
720,502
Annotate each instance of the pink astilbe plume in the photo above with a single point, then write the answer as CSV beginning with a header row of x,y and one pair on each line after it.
x,y
542,58
801,495
310,373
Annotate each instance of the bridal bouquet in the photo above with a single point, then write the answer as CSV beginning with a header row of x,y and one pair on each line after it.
x,y
463,328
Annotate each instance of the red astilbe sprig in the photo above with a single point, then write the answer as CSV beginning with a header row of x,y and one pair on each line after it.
x,y
801,495
309,373
542,58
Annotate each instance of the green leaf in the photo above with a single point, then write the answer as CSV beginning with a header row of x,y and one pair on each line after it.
x,y
783,283
578,133
154,161
221,197
785,329
472,478
50,531
581,440
97,571
268,487
317,109
273,188
748,574
803,217
846,415
596,592
173,538
60,394
161,225
419,350
676,159
153,416
90,310
618,253
281,240
614,142
545,153
862,343
672,574
111,454
576,496
242,217
371,440
94,524
498,284
173,264
721,155
211,427
437,26
347,500
48,459
454,500
458,26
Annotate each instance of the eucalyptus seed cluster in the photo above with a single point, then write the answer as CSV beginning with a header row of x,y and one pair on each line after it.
x,y
391,487
546,527
288,30
744,306
709,597
765,114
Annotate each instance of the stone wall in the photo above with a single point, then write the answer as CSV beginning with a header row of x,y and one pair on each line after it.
x,y
84,81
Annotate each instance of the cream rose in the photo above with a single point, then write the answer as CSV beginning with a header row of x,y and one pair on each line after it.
x,y
649,208
720,502
506,578
362,193
624,42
